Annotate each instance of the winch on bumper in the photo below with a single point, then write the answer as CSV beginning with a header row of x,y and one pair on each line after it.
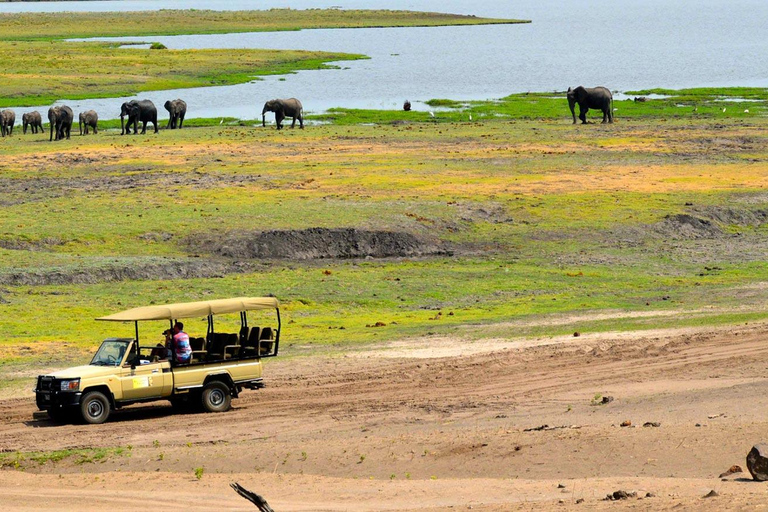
x,y
53,393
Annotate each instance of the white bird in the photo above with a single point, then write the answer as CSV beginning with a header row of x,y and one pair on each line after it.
x,y
615,109
222,121
723,109
746,111
470,117
432,114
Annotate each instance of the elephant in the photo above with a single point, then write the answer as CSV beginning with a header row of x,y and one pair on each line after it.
x,y
143,110
32,119
89,118
60,119
282,109
7,120
177,109
598,98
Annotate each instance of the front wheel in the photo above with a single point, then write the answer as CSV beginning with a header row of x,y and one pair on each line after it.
x,y
216,397
94,407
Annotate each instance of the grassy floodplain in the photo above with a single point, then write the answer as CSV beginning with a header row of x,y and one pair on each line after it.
x,y
549,220
40,66
656,220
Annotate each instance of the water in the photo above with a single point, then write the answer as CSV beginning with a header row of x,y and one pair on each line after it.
x,y
623,45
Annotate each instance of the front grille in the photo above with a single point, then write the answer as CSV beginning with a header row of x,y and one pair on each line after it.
x,y
46,383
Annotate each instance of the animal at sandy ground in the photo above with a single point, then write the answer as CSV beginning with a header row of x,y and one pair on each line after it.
x,y
60,118
143,111
177,109
640,99
88,119
598,98
7,120
283,108
32,120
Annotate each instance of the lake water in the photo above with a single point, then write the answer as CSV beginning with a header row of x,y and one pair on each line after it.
x,y
623,45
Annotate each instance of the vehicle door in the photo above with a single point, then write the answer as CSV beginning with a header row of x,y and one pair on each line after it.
x,y
151,380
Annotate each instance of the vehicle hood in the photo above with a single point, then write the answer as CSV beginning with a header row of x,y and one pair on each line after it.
x,y
84,372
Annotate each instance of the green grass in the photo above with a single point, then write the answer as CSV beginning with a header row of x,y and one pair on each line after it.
x,y
562,196
70,25
31,460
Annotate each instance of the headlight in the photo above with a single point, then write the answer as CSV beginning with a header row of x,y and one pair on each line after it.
x,y
70,385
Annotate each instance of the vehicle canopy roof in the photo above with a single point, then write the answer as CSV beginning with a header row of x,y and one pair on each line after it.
x,y
193,309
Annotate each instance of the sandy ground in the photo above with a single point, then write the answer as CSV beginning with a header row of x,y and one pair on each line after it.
x,y
395,428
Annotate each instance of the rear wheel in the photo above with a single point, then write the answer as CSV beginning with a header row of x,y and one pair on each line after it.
x,y
94,407
216,397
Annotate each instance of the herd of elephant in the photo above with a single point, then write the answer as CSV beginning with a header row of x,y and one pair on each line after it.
x,y
61,117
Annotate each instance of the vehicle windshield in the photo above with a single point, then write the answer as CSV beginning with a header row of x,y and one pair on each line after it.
x,y
110,353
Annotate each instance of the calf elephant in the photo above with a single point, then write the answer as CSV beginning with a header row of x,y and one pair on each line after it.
x,y
32,119
7,120
177,110
282,109
89,119
60,119
598,98
137,111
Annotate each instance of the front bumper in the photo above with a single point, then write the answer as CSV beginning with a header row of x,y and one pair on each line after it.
x,y
49,396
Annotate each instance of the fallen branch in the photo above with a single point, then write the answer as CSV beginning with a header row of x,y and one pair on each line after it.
x,y
254,498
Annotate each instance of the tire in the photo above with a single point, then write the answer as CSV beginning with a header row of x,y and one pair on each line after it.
x,y
94,407
216,397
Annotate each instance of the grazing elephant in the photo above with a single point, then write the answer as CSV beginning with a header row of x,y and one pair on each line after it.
x,y
34,120
598,98
89,118
137,111
177,109
60,119
282,109
7,120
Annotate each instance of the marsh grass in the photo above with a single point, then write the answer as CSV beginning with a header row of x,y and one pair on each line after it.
x,y
30,460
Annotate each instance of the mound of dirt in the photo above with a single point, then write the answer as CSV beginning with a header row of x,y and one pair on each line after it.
x,y
728,216
684,226
318,243
175,269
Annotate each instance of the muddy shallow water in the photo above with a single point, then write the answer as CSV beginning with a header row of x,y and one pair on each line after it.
x,y
629,46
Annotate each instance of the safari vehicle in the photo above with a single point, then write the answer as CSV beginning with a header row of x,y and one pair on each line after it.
x,y
124,372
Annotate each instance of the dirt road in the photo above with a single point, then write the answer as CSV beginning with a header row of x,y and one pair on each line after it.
x,y
387,429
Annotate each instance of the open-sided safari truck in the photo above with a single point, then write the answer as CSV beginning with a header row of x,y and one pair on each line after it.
x,y
124,372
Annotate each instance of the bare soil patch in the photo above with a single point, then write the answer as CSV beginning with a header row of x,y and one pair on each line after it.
x,y
172,269
515,427
318,243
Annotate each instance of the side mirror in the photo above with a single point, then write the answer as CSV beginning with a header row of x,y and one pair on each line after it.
x,y
133,366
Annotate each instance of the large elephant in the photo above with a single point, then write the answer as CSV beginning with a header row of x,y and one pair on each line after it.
x,y
60,119
90,119
32,119
7,120
598,98
282,109
137,111
177,109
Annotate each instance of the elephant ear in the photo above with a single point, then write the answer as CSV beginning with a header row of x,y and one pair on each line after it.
x,y
569,89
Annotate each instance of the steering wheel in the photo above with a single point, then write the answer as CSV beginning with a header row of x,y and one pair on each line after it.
x,y
111,359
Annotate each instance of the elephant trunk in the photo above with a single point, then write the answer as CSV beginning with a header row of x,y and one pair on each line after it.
x,y
122,124
572,104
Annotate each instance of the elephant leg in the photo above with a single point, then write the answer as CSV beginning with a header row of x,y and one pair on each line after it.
x,y
301,122
154,123
279,116
95,130
293,124
181,121
583,115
